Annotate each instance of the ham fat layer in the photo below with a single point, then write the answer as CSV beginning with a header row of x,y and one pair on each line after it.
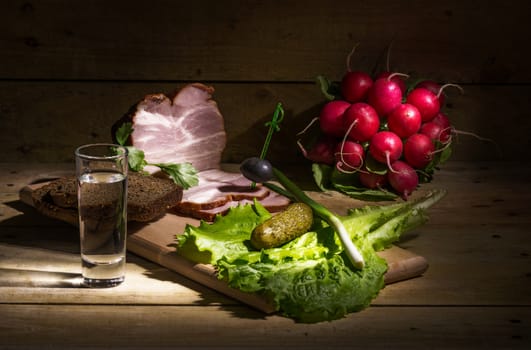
x,y
189,128
218,191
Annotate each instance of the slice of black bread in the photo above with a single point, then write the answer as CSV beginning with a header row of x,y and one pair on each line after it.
x,y
43,202
148,198
63,192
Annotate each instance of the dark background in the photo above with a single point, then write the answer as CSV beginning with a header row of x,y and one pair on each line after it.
x,y
69,69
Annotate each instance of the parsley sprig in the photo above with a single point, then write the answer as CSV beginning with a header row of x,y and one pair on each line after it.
x,y
183,174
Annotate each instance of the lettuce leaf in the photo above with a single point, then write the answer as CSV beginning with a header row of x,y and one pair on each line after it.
x,y
227,237
329,178
309,279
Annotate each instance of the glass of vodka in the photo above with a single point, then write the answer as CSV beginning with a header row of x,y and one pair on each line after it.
x,y
101,171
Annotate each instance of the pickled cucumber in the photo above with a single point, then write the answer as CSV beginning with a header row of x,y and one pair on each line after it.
x,y
283,227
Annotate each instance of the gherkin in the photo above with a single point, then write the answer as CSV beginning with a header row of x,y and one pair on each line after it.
x,y
296,220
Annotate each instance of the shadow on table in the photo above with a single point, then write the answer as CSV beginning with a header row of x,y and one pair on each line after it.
x,y
37,251
30,228
208,296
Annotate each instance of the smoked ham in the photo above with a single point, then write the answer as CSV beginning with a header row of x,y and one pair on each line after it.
x,y
186,128
189,128
218,191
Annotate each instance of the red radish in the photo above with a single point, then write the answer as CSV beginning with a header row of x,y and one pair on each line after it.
x,y
418,151
426,102
442,120
433,87
355,85
438,89
385,147
385,74
397,79
331,118
385,95
322,151
404,120
349,156
436,132
403,179
361,122
372,180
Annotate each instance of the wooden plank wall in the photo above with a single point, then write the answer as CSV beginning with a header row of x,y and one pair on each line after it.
x,y
69,69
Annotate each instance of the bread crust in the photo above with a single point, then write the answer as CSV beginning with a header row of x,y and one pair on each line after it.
x,y
148,198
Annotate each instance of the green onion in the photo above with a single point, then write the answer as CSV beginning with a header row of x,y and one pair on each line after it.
x,y
353,253
273,125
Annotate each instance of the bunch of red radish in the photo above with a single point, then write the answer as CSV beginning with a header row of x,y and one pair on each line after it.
x,y
382,131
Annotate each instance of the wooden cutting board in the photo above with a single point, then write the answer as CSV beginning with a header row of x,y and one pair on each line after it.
x,y
155,241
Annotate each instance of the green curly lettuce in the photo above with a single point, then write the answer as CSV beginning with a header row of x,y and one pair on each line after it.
x,y
309,279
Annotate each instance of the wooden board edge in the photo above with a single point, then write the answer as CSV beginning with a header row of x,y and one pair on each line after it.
x,y
196,272
409,266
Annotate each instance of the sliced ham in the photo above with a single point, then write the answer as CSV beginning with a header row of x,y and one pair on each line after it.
x,y
274,202
217,187
189,128
218,191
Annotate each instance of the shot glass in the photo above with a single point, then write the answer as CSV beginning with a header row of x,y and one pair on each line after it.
x,y
101,171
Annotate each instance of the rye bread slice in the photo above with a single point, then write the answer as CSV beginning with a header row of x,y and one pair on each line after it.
x,y
43,202
63,192
148,198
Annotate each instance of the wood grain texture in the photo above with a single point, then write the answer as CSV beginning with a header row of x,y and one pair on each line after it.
x,y
481,224
231,327
67,73
51,275
155,241
46,121
475,294
237,40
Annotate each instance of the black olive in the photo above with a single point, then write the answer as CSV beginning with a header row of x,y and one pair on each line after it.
x,y
257,169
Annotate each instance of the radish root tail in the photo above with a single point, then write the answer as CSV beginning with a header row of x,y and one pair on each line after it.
x,y
389,163
449,85
303,150
484,139
388,58
303,131
349,57
391,76
341,153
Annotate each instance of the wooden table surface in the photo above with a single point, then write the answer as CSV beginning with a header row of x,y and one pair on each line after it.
x,y
475,294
